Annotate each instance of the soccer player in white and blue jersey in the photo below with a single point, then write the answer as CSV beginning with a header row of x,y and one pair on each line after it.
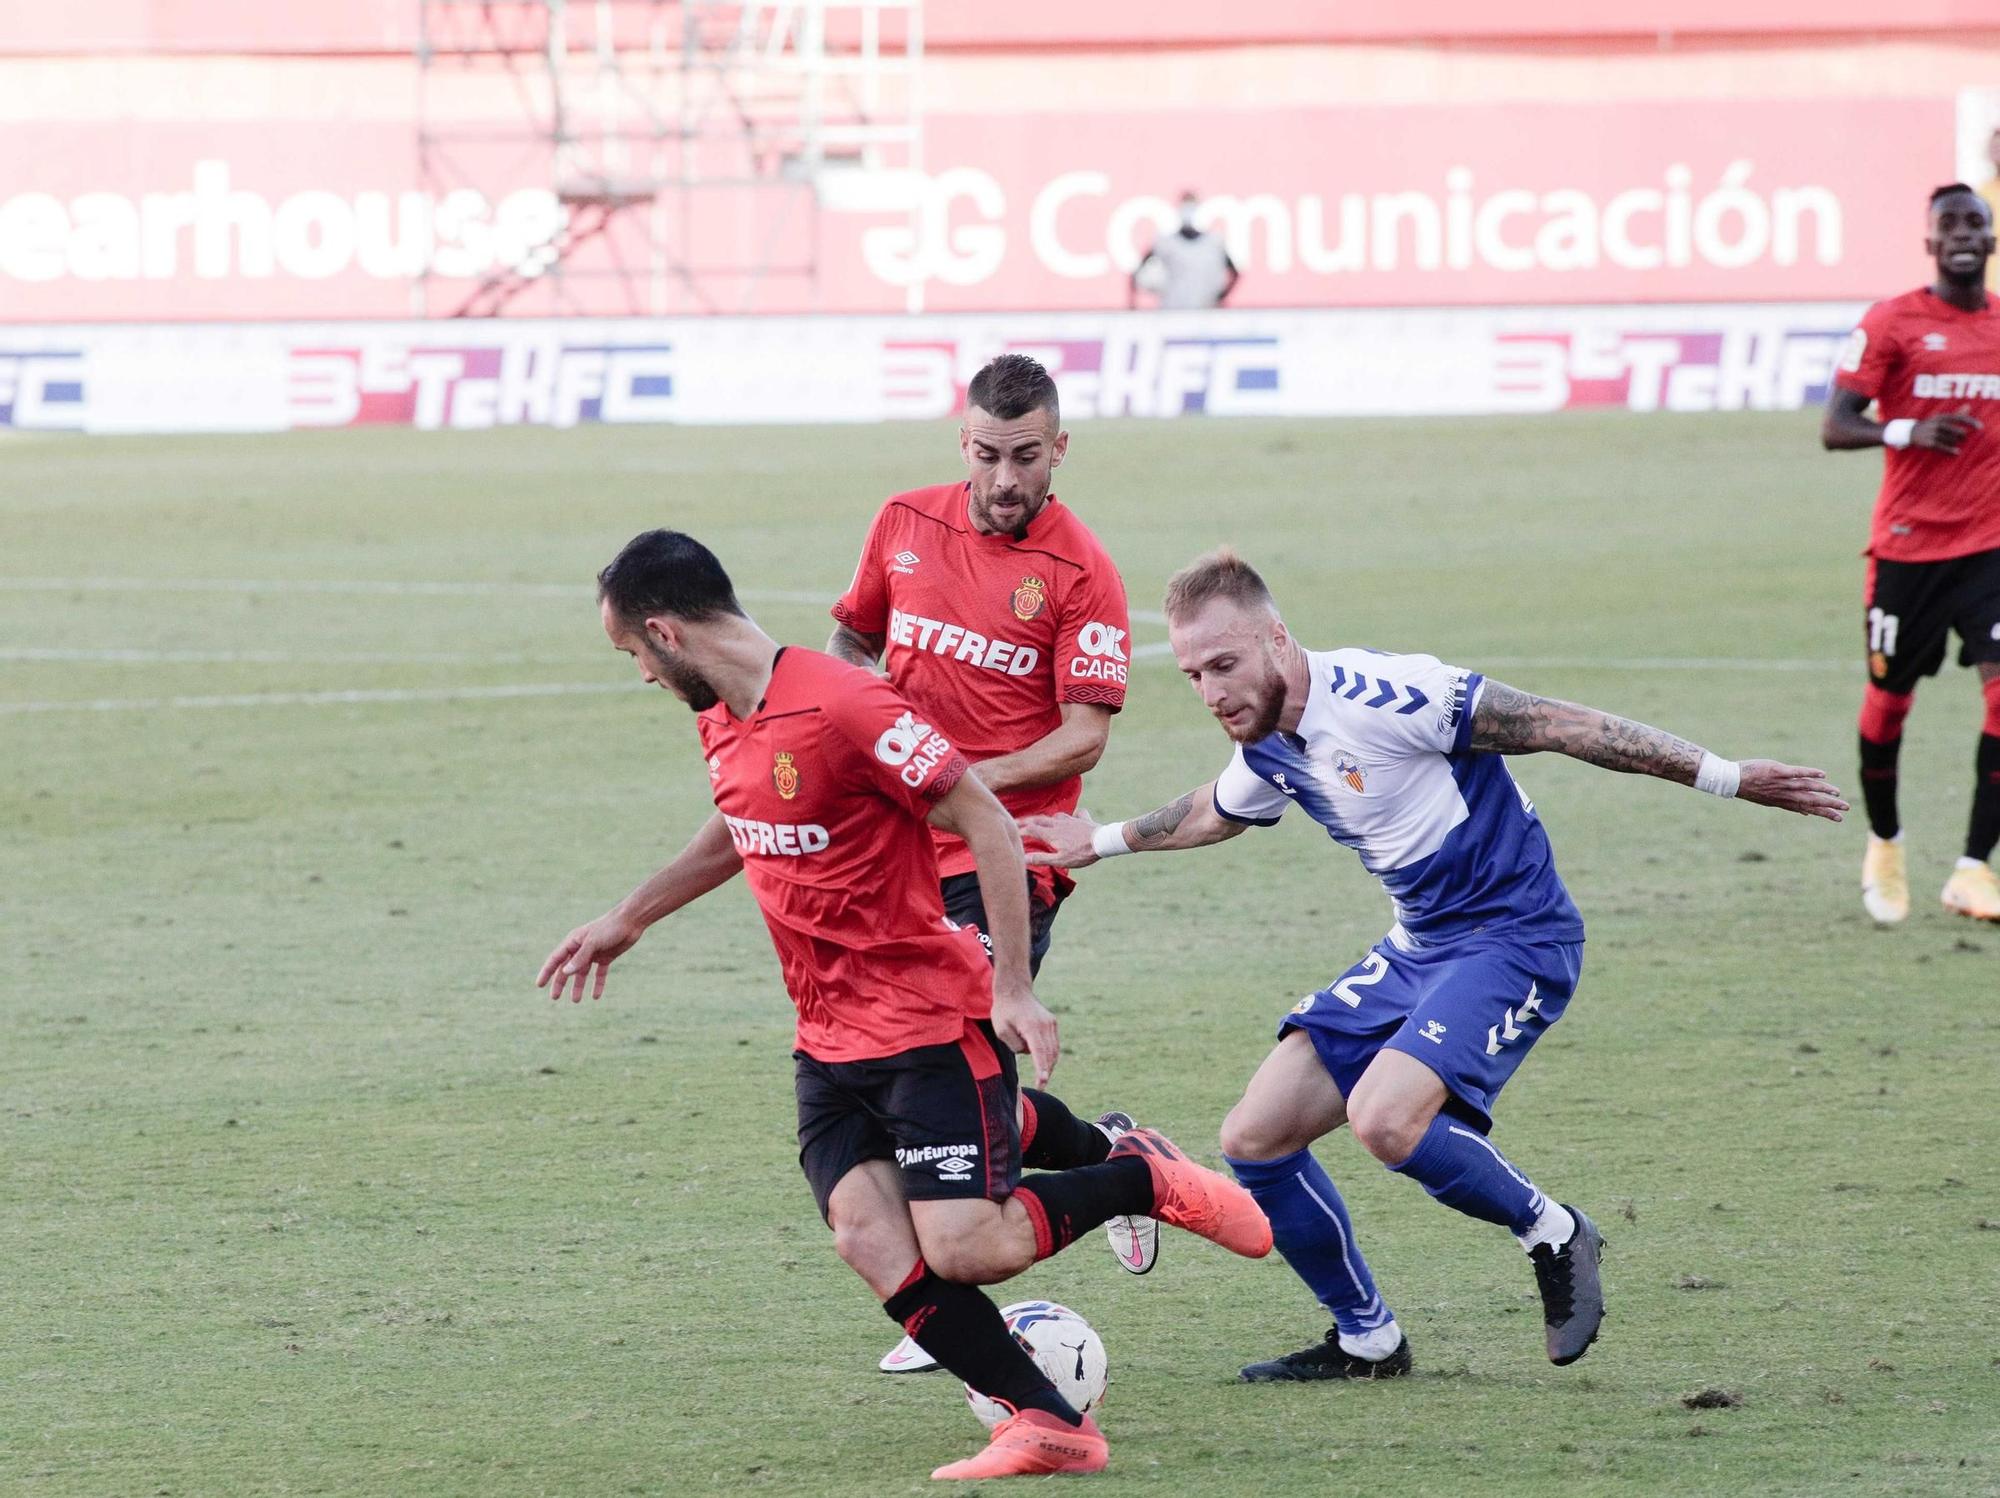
x,y
1399,758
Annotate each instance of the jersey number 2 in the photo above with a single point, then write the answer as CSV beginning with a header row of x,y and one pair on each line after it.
x,y
1374,968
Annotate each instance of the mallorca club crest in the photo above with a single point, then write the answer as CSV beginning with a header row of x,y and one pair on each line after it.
x,y
785,775
1878,664
1028,598
1345,767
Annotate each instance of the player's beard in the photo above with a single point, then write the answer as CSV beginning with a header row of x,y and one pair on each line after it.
x,y
982,513
682,679
1270,708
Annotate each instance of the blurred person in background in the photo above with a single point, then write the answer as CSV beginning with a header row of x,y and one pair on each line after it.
x,y
1929,361
1989,190
1189,268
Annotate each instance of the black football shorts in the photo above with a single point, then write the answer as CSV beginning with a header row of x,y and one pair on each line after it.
x,y
944,1113
1914,606
965,906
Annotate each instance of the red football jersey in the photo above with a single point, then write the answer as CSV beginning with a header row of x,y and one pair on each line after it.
x,y
990,634
825,788
1915,356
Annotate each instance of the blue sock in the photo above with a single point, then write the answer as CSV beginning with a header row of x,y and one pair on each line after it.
x,y
1456,1165
1310,1224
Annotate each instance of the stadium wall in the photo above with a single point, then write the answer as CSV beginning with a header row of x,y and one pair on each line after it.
x,y
234,160
283,217
477,374
385,26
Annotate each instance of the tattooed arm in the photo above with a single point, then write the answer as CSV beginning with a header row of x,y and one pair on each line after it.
x,y
1189,822
854,647
1507,721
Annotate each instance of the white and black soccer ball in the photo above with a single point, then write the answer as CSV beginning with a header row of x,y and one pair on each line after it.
x,y
1063,1345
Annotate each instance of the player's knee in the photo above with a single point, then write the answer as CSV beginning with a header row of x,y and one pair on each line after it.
x,y
1882,713
980,1259
1991,687
871,1249
1389,1133
1253,1134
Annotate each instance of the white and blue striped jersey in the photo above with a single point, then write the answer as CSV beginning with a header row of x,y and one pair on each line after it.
x,y
1380,760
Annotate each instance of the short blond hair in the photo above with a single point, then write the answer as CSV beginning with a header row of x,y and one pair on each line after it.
x,y
1219,574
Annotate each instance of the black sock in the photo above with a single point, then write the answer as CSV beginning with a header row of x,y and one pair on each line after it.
x,y
962,1329
1878,785
1065,1203
1985,829
1053,1138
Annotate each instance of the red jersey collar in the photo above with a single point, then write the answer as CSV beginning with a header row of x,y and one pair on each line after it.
x,y
1942,305
730,717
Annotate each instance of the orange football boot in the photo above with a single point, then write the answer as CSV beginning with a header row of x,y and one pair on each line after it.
x,y
1033,1443
1194,1197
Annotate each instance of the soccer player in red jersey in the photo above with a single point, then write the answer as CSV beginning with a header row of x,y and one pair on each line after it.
x,y
1004,620
1930,362
827,783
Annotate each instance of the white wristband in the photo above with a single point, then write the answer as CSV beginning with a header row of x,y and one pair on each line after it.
x,y
1108,841
1719,777
1897,433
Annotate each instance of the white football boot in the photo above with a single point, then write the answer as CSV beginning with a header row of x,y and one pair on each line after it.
x,y
1135,1241
907,1357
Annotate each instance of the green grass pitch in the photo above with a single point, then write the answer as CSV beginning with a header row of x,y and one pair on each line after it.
x,y
304,1189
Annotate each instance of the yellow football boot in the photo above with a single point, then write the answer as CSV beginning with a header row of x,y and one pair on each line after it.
x,y
1973,890
1885,882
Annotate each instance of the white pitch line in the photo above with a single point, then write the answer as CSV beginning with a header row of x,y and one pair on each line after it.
x,y
317,699
1161,648
387,587
114,657
1666,663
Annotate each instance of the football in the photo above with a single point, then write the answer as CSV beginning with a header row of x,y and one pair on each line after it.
x,y
1063,1346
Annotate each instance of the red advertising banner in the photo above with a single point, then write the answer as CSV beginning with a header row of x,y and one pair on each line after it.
x,y
1418,206
382,26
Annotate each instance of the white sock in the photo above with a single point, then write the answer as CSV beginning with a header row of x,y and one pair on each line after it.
x,y
1970,863
1553,1227
1375,1345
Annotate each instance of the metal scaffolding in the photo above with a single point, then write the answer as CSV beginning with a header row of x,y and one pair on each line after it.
x,y
686,143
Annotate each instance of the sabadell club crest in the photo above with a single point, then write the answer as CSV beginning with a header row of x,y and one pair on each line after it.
x,y
1029,598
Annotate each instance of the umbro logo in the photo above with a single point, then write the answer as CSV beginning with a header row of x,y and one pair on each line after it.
x,y
954,1162
1934,342
905,562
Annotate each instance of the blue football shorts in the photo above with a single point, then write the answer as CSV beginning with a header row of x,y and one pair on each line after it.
x,y
1470,1010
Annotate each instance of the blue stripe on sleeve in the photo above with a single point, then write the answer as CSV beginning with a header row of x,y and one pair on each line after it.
x,y
1462,740
1229,816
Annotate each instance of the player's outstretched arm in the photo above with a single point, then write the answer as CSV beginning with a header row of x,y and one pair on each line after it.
x,y
974,813
1073,747
1846,427
855,648
1078,842
708,861
1507,721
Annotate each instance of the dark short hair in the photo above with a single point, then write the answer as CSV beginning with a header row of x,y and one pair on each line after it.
x,y
1012,386
667,572
1951,189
